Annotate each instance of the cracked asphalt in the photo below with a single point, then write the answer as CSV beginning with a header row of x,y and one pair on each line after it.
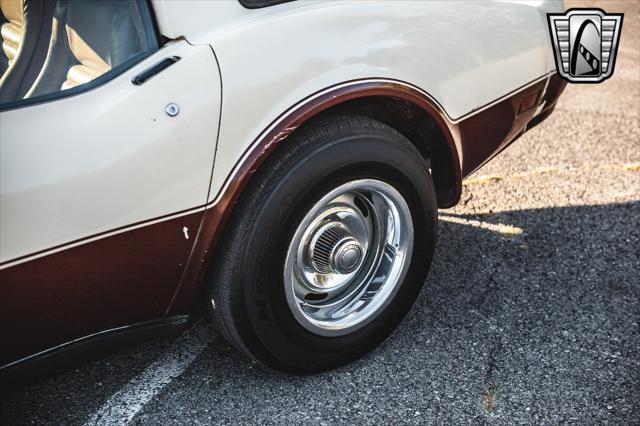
x,y
530,314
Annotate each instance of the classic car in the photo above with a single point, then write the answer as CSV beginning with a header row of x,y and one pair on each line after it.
x,y
277,166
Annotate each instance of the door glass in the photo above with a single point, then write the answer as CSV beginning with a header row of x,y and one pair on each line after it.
x,y
85,41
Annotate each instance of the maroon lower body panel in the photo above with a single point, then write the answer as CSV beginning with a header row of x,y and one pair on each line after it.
x,y
110,282
488,132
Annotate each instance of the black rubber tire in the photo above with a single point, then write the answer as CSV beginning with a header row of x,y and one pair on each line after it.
x,y
246,281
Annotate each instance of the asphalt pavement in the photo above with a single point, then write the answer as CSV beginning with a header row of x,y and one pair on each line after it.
x,y
530,315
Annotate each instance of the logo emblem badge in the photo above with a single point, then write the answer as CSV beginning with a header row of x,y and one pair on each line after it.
x,y
585,43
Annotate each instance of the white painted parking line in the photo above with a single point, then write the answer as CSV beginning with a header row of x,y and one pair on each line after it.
x,y
503,229
485,179
122,407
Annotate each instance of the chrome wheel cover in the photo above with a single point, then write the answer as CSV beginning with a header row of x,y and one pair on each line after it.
x,y
348,256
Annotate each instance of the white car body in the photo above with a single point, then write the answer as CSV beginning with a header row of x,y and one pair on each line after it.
x,y
107,162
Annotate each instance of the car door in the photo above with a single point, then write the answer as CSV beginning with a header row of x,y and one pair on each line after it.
x,y
102,189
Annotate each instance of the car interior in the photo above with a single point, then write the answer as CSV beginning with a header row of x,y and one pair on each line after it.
x,y
49,46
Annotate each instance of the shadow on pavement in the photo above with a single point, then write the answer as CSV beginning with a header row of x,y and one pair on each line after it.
x,y
527,315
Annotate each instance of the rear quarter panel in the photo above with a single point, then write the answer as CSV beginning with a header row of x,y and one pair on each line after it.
x,y
463,54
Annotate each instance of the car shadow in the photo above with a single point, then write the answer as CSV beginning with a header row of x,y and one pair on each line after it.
x,y
533,308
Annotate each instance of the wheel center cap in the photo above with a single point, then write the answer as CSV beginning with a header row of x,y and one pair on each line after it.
x,y
334,251
346,256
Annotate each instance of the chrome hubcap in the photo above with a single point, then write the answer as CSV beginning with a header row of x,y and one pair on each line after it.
x,y
347,257
334,250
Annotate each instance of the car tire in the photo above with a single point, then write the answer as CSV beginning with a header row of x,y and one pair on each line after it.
x,y
306,277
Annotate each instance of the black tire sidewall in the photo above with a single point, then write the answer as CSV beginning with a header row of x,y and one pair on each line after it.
x,y
279,340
